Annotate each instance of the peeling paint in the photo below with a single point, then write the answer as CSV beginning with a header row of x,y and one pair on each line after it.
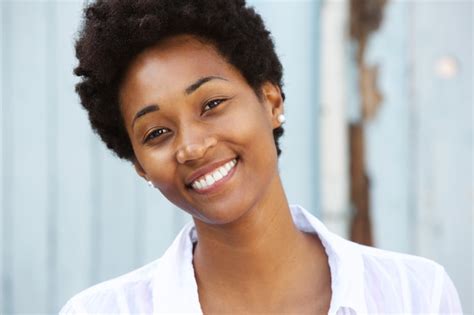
x,y
365,18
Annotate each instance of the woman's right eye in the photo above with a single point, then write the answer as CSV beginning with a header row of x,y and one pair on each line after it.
x,y
155,134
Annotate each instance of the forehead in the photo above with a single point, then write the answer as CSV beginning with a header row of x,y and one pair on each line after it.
x,y
178,53
169,67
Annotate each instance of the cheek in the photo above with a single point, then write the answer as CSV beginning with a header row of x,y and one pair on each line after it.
x,y
251,131
159,167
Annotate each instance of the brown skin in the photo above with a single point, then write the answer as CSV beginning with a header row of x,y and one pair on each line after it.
x,y
250,257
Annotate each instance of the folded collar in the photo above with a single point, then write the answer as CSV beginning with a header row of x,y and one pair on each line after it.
x,y
175,287
345,262
174,283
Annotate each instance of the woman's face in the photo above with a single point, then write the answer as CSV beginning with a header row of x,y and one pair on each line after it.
x,y
191,116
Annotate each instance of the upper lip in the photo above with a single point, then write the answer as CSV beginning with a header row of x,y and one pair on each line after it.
x,y
205,169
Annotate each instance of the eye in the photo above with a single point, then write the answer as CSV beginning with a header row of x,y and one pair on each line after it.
x,y
155,134
211,104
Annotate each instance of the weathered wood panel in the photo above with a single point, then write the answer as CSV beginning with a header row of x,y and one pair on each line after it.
x,y
443,84
420,143
26,109
115,215
332,123
74,241
3,280
389,134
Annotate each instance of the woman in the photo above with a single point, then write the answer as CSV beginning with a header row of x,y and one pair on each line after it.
x,y
190,92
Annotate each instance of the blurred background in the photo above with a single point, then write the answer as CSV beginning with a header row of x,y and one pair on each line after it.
x,y
378,144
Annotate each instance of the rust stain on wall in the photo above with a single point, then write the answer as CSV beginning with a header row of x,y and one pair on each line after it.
x,y
365,18
361,231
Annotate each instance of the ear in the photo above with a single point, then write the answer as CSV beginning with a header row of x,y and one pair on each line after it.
x,y
139,169
273,102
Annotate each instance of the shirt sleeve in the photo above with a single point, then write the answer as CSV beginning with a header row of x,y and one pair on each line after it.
x,y
449,300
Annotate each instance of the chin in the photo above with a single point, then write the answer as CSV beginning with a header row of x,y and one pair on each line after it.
x,y
219,215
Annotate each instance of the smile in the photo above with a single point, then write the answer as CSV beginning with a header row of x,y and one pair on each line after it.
x,y
214,177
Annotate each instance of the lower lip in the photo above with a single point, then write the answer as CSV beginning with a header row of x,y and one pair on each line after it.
x,y
217,185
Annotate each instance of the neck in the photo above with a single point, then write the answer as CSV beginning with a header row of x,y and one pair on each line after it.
x,y
257,251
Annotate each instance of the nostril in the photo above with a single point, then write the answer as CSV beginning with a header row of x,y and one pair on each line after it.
x,y
190,152
194,151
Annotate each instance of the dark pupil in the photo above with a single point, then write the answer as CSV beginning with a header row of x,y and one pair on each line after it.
x,y
155,133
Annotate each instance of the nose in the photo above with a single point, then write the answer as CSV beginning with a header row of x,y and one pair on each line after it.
x,y
194,148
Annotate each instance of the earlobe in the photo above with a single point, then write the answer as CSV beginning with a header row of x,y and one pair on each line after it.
x,y
139,169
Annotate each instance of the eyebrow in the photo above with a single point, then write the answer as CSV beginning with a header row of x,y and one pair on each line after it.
x,y
144,111
193,87
190,89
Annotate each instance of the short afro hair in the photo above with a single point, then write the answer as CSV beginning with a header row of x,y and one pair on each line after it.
x,y
114,32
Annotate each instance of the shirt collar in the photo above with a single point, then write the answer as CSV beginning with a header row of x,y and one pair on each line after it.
x,y
345,263
175,288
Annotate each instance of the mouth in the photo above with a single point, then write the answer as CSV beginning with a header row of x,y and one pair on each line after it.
x,y
212,180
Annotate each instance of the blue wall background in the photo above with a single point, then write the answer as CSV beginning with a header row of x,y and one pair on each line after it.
x,y
420,144
72,215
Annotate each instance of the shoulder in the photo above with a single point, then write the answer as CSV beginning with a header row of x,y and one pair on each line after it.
x,y
391,261
394,267
136,291
116,295
403,282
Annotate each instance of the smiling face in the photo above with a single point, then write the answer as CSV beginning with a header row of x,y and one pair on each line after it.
x,y
199,131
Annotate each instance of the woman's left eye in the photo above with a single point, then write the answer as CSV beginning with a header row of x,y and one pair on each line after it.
x,y
211,104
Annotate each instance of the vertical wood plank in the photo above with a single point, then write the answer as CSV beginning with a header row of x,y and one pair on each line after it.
x,y
139,222
51,104
335,181
444,151
389,134
3,205
74,159
94,221
117,215
27,132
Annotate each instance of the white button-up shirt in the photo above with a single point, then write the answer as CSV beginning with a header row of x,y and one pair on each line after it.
x,y
364,280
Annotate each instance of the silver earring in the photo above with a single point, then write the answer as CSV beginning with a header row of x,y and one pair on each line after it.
x,y
281,118
150,183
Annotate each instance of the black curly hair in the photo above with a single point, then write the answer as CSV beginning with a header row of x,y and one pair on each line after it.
x,y
115,31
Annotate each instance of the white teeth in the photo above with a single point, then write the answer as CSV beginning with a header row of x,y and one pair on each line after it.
x,y
223,171
197,185
217,175
214,176
209,180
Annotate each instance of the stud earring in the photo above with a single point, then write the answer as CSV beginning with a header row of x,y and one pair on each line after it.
x,y
150,183
281,118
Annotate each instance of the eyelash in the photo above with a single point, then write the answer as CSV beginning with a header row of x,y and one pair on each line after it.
x,y
220,100
154,132
160,130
